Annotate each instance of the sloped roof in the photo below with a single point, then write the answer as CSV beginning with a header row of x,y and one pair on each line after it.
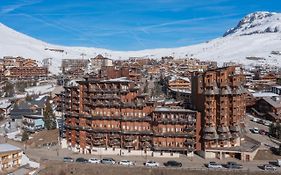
x,y
7,148
273,101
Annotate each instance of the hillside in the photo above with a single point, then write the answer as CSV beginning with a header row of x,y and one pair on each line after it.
x,y
257,36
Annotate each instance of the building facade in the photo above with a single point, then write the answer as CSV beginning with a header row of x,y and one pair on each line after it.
x,y
220,96
10,157
114,115
33,123
26,72
176,130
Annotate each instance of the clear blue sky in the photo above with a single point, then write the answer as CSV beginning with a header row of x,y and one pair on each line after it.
x,y
128,24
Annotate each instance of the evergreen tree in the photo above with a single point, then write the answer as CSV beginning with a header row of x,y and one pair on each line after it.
x,y
275,130
49,118
25,136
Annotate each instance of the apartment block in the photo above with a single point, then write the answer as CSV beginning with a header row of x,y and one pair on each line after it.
x,y
220,97
114,115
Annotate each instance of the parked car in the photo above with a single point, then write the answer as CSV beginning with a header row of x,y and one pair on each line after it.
x,y
260,122
173,163
151,163
278,162
268,167
233,165
126,163
82,160
94,160
108,161
255,130
214,165
262,132
254,119
267,123
68,159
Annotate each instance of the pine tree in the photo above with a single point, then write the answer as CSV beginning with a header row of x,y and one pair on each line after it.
x,y
25,136
49,116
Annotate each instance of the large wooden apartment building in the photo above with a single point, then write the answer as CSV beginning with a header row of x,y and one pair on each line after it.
x,y
115,114
220,96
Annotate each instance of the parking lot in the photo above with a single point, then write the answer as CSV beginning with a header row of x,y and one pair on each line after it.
x,y
265,140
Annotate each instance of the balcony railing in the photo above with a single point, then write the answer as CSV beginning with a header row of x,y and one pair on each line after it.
x,y
114,142
128,138
145,138
145,132
133,118
175,134
128,145
173,121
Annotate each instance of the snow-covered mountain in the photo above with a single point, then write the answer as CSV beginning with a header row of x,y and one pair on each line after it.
x,y
255,40
258,22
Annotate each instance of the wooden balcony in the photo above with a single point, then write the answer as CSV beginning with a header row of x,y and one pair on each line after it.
x,y
133,118
114,142
135,132
145,138
128,144
129,138
189,142
175,134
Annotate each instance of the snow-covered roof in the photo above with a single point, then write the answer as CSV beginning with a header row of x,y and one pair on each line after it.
x,y
174,77
43,89
7,148
166,109
278,87
180,90
5,104
121,79
264,94
251,90
34,116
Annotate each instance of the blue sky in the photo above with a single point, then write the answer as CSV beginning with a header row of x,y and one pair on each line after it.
x,y
128,24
